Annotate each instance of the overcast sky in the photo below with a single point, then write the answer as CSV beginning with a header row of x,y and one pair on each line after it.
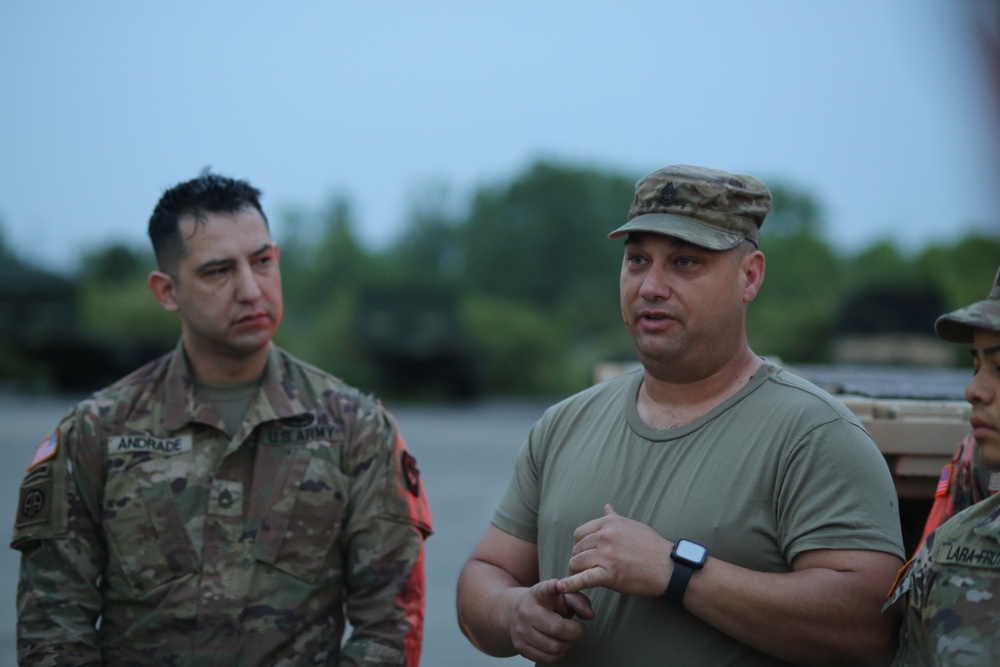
x,y
873,106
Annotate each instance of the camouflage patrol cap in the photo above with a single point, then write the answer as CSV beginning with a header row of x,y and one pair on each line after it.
x,y
710,208
957,326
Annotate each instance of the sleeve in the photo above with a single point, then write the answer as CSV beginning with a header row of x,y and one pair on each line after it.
x,y
954,484
517,511
389,518
837,493
62,555
910,592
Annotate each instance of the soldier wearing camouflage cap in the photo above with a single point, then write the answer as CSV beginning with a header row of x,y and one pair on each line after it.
x,y
950,590
709,508
226,504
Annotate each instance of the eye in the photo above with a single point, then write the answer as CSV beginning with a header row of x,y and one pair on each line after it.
x,y
265,260
216,271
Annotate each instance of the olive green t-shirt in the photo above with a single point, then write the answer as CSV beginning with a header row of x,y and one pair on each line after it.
x,y
777,469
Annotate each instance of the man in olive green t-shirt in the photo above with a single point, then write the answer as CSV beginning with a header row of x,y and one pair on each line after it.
x,y
707,509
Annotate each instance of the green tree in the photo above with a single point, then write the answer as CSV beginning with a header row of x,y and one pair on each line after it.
x,y
962,271
430,248
115,301
324,266
792,316
542,238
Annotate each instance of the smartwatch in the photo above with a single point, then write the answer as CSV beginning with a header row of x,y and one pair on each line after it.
x,y
688,556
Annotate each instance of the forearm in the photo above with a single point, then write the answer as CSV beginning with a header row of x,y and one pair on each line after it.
x,y
486,595
57,610
812,616
387,616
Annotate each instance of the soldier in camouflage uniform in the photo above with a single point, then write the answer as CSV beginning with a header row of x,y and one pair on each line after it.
x,y
225,504
951,588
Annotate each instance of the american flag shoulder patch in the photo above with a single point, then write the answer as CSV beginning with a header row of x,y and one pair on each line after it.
x,y
944,481
46,450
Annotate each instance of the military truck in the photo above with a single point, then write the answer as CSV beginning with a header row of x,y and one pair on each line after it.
x,y
42,343
413,338
916,415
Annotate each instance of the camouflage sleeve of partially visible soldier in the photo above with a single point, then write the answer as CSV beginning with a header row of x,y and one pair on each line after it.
x,y
387,522
62,556
909,593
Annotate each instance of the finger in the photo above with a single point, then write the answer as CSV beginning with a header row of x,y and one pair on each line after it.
x,y
590,578
541,633
593,525
586,529
548,590
542,648
579,605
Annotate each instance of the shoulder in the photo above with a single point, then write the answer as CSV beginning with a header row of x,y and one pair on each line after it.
x,y
310,388
791,404
313,384
799,393
111,406
979,522
598,402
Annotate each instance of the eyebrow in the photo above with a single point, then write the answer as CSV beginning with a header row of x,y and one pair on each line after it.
x,y
215,263
989,351
264,248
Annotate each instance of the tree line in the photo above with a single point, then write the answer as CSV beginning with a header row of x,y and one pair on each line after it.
x,y
519,286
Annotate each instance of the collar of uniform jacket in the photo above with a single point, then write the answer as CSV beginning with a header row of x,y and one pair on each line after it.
x,y
181,406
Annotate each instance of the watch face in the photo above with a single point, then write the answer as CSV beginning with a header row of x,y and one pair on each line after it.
x,y
690,551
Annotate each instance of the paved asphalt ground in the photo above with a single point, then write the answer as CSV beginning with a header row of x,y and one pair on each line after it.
x,y
465,455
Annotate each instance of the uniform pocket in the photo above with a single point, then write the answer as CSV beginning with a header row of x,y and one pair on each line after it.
x,y
145,530
303,522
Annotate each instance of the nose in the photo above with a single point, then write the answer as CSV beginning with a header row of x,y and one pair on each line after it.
x,y
247,288
980,390
655,284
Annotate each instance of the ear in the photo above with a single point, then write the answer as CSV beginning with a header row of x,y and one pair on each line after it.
x,y
753,275
162,287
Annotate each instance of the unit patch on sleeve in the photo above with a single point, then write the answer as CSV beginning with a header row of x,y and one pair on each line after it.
x,y
35,499
411,475
46,450
944,481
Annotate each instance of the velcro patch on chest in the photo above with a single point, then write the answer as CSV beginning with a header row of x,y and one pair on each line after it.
x,y
970,556
147,444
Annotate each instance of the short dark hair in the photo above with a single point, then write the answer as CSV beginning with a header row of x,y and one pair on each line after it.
x,y
209,193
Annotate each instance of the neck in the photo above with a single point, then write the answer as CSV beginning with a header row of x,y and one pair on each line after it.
x,y
223,370
666,403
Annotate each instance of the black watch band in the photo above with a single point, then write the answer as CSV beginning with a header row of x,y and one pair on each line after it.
x,y
678,583
688,556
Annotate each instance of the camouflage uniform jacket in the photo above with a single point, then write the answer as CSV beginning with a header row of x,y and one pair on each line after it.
x,y
951,590
195,549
